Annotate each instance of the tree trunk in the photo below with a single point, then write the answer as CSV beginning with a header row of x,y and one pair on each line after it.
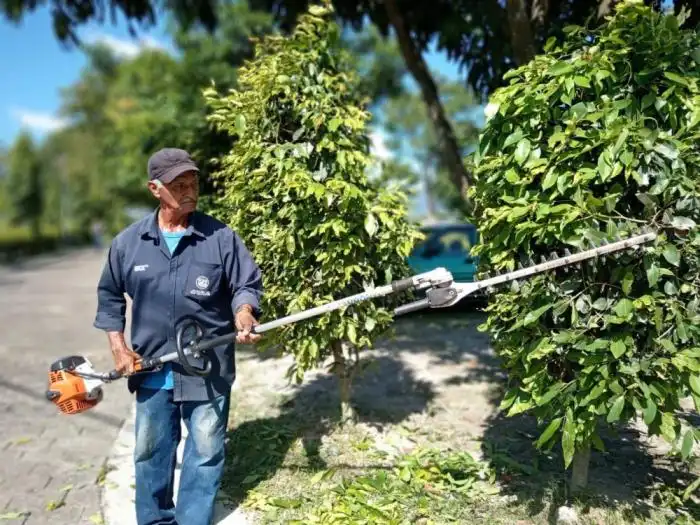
x,y
443,129
521,38
579,470
539,11
36,228
429,201
605,8
344,371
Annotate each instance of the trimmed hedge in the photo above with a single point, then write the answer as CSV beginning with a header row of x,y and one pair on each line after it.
x,y
17,243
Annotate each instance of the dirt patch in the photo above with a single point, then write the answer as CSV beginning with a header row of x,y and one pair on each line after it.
x,y
436,384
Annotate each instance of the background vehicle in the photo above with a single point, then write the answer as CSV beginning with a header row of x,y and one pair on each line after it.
x,y
449,246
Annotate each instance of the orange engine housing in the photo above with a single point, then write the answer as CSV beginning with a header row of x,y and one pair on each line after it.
x,y
71,393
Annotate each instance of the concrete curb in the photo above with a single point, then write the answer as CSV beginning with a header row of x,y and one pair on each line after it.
x,y
117,497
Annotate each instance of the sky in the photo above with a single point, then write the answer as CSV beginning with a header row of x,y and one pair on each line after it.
x,y
38,67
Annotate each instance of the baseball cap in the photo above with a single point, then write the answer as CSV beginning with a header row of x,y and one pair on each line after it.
x,y
167,163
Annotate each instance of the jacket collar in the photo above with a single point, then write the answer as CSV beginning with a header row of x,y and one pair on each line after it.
x,y
149,226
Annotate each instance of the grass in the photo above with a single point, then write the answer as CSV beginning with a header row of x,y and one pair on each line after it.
x,y
410,457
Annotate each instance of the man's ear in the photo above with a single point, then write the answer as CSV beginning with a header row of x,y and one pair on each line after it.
x,y
155,186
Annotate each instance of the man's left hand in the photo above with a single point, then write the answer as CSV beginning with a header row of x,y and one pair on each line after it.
x,y
245,321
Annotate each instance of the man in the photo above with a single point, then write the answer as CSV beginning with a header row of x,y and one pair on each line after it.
x,y
178,263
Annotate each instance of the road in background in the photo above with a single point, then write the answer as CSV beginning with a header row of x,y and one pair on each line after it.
x,y
51,465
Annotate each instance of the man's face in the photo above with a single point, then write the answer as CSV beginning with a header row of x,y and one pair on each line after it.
x,y
185,190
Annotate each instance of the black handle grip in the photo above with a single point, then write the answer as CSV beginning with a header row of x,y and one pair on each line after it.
x,y
180,347
113,375
403,284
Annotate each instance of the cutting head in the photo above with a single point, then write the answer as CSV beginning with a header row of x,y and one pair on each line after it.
x,y
70,392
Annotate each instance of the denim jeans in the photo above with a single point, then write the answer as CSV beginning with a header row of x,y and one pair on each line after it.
x,y
157,436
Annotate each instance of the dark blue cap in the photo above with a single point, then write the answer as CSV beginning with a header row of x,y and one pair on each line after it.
x,y
168,163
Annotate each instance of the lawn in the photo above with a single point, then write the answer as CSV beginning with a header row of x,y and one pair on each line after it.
x,y
429,445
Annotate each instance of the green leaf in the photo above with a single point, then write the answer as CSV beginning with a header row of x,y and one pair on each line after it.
x,y
597,443
683,223
522,151
560,68
370,323
12,515
672,255
600,304
670,288
691,488
550,179
285,503
551,393
616,409
624,308
334,124
618,348
351,333
653,274
240,124
649,411
668,427
678,79
568,438
534,315
688,442
513,138
627,282
508,399
694,382
548,432
371,224
582,81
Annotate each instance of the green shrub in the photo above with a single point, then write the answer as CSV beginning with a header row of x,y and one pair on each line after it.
x,y
295,188
597,138
19,243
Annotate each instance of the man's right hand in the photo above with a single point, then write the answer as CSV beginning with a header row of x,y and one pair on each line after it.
x,y
124,360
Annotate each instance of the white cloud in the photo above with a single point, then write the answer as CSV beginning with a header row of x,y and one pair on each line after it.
x,y
38,121
125,47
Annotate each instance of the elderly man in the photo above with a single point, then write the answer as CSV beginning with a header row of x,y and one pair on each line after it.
x,y
178,263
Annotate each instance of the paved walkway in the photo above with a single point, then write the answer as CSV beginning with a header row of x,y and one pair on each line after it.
x,y
51,465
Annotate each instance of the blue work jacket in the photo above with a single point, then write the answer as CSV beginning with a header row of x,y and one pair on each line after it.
x,y
207,277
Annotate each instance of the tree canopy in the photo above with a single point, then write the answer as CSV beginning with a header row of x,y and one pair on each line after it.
x,y
594,139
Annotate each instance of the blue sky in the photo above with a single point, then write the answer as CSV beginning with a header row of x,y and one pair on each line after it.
x,y
39,67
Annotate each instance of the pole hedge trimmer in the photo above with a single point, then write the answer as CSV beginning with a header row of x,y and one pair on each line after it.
x,y
75,387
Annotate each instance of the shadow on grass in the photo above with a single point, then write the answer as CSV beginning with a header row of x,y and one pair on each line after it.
x,y
385,393
623,478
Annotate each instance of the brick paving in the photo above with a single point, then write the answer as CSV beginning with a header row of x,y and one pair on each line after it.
x,y
50,464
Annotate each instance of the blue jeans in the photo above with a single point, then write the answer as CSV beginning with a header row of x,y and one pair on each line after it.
x,y
157,437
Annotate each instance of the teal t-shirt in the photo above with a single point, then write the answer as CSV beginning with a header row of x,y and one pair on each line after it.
x,y
163,379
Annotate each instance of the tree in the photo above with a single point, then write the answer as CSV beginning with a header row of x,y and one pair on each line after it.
x,y
83,148
24,183
487,38
295,188
68,15
208,58
411,135
378,63
593,139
